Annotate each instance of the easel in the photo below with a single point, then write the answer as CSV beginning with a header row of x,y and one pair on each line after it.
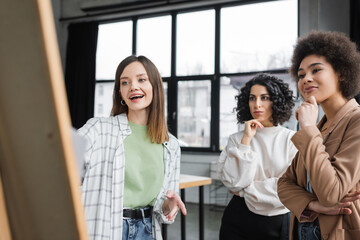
x,y
39,186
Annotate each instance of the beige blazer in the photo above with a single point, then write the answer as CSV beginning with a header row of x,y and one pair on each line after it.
x,y
332,159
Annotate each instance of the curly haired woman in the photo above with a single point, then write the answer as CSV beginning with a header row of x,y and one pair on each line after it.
x,y
255,158
321,188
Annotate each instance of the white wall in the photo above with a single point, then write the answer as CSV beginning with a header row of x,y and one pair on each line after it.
x,y
197,164
329,15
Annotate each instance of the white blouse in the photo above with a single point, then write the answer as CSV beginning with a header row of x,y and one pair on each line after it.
x,y
253,171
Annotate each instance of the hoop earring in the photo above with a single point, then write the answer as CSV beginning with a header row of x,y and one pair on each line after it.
x,y
122,102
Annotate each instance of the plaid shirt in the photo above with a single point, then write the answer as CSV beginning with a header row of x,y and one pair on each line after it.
x,y
103,182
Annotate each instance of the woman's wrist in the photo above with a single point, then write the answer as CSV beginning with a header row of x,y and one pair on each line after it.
x,y
310,206
246,140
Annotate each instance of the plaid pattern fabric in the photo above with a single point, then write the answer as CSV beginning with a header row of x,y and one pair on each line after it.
x,y
103,181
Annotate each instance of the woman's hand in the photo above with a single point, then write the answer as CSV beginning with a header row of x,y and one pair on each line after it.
x,y
307,112
235,193
340,208
172,205
250,130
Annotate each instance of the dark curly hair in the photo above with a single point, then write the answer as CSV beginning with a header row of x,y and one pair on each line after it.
x,y
338,50
280,95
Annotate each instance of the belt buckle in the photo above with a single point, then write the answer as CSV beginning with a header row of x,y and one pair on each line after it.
x,y
123,213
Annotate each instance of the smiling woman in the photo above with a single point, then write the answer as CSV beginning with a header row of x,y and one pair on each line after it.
x,y
321,187
316,77
131,161
136,92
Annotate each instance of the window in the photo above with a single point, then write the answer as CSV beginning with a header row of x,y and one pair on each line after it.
x,y
154,42
103,98
264,45
114,44
260,39
195,43
194,111
204,56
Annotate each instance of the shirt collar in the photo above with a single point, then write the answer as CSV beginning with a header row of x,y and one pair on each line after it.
x,y
348,107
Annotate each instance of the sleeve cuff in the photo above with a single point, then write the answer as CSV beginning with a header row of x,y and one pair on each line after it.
x,y
245,148
303,214
159,213
301,138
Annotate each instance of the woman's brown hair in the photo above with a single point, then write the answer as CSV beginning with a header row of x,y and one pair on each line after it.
x,y
157,128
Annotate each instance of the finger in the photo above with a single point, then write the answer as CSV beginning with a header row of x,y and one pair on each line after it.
x,y
351,198
345,211
344,208
344,204
352,194
171,216
311,100
255,122
182,207
296,115
250,123
175,197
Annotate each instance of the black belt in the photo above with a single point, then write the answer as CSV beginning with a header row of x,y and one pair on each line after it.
x,y
136,213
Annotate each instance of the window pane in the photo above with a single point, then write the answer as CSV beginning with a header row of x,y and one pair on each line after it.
x,y
165,84
227,113
230,87
195,43
194,113
103,99
261,39
154,42
114,44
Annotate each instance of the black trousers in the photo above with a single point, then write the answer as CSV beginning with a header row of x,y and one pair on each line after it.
x,y
238,222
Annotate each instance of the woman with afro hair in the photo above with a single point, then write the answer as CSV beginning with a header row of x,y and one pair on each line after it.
x,y
321,188
255,158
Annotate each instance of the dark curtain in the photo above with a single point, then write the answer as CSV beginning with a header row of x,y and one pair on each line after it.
x,y
80,71
355,27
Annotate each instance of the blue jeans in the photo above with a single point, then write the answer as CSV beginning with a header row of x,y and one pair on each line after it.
x,y
308,230
137,229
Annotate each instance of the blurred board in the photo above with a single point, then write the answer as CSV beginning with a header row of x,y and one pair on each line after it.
x,y
40,186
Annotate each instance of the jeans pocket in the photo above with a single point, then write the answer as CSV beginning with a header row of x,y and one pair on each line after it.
x,y
309,230
148,225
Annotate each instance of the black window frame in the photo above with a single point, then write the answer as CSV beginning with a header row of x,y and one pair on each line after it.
x,y
173,79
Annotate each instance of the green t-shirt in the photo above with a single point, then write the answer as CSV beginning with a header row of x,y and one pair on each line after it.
x,y
144,168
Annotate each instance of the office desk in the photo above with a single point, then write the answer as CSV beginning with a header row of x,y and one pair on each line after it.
x,y
188,181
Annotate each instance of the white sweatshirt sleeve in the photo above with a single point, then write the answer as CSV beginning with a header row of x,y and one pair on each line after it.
x,y
237,165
